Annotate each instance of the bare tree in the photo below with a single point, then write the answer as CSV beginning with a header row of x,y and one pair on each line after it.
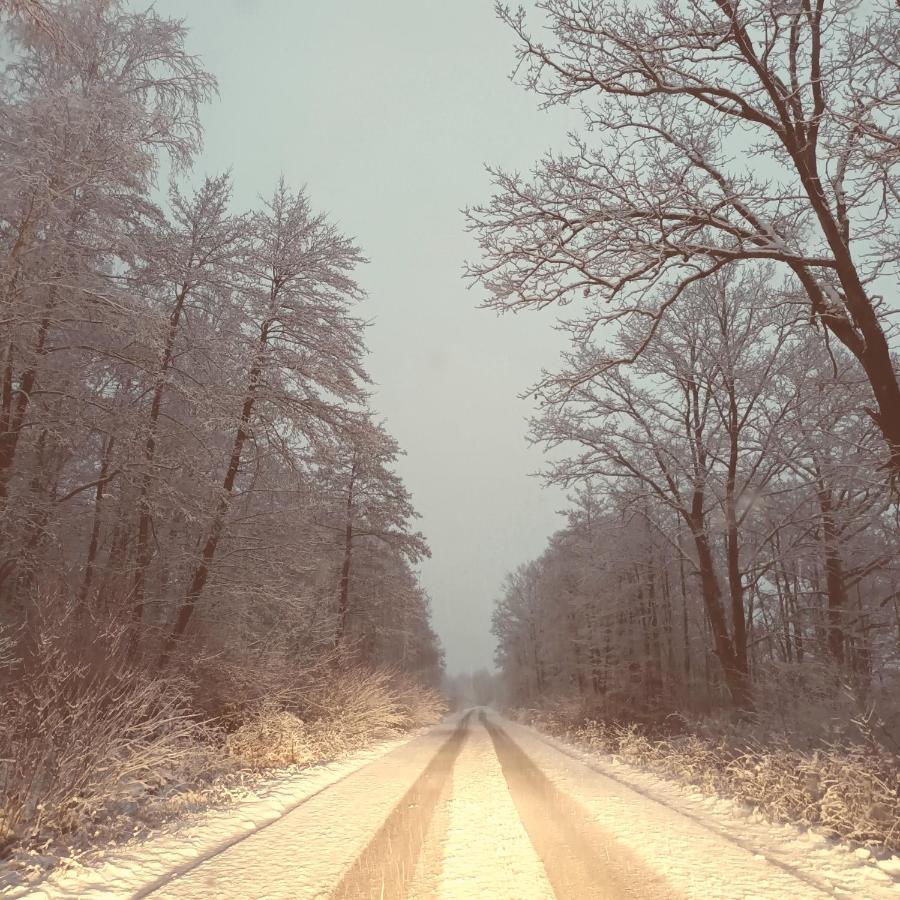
x,y
720,133
695,428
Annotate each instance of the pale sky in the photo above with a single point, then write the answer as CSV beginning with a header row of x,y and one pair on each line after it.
x,y
387,111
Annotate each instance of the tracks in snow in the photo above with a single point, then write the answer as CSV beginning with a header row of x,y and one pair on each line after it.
x,y
581,860
482,808
387,865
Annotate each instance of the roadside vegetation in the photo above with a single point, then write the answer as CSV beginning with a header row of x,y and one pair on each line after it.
x,y
845,786
720,243
207,559
97,748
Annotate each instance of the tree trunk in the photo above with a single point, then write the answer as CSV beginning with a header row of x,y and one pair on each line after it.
x,y
736,679
686,636
94,543
732,544
344,598
862,333
143,553
835,585
217,527
14,414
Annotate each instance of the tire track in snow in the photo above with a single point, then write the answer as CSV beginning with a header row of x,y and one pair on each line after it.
x,y
387,865
581,860
178,871
810,880
306,852
702,859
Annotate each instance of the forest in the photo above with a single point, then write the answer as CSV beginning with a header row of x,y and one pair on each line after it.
x,y
206,553
210,563
721,246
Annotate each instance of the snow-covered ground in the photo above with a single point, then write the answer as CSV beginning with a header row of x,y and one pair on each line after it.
x,y
132,869
707,847
498,830
486,850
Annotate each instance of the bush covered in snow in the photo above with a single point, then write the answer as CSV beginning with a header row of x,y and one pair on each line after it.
x,y
83,733
93,740
333,715
848,788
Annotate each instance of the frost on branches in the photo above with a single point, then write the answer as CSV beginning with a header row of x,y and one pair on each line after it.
x,y
181,393
716,134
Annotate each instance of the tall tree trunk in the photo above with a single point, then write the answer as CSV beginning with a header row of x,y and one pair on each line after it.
x,y
575,644
684,610
344,598
217,526
736,679
94,543
835,585
143,554
799,646
786,645
732,543
14,415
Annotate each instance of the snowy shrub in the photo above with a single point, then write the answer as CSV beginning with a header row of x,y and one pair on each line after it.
x,y
333,713
419,705
94,743
270,737
848,789
359,705
82,733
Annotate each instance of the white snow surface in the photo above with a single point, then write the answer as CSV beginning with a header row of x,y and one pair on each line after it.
x,y
487,852
707,847
298,836
131,869
305,853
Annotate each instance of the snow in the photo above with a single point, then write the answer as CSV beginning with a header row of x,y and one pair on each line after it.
x,y
487,852
702,838
305,853
301,835
133,868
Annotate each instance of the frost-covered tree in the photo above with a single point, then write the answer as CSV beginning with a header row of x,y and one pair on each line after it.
x,y
718,133
693,423
174,371
732,513
303,350
82,130
193,266
364,499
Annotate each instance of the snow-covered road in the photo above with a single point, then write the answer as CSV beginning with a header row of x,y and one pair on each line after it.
x,y
480,807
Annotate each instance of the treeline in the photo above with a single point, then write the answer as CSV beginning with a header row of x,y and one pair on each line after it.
x,y
721,243
732,530
207,558
185,441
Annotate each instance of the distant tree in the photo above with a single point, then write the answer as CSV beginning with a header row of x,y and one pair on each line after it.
x,y
483,687
368,500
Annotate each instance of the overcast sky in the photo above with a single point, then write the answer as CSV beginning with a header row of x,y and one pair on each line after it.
x,y
387,111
